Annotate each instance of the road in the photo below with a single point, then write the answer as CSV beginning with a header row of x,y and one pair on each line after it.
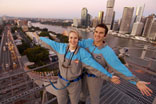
x,y
10,62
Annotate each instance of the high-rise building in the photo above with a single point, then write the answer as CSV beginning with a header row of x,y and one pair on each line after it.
x,y
137,28
139,13
76,22
143,20
110,3
138,25
100,17
109,16
126,20
115,26
152,30
88,20
132,22
84,14
113,20
95,22
148,23
109,13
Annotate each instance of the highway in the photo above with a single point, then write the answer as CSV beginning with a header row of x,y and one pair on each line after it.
x,y
10,62
7,51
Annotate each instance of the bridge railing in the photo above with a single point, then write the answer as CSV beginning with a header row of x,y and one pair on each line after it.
x,y
28,92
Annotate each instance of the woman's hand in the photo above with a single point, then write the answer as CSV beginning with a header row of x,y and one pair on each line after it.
x,y
65,33
115,80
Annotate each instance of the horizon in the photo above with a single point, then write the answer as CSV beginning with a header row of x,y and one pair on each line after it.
x,y
66,9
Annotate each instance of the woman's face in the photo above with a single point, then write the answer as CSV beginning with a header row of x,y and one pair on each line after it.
x,y
73,40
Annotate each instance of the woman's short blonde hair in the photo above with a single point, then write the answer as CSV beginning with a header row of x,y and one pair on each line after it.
x,y
76,32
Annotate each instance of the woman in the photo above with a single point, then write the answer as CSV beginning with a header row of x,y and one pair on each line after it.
x,y
71,60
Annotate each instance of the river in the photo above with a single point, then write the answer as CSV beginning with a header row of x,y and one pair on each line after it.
x,y
113,41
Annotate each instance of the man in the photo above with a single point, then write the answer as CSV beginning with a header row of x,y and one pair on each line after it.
x,y
103,54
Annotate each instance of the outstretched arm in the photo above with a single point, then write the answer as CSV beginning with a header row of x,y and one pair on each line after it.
x,y
124,72
57,47
91,64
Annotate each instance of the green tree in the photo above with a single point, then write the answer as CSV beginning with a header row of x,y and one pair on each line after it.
x,y
38,54
23,47
44,33
45,29
63,39
13,29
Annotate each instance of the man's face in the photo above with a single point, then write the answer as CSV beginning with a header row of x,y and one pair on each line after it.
x,y
99,34
73,39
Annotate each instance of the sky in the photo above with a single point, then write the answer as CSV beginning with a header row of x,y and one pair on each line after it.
x,y
68,8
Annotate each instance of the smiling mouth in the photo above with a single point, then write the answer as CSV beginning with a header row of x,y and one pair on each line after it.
x,y
97,37
73,43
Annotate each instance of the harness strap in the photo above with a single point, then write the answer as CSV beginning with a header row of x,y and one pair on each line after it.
x,y
90,75
59,75
59,88
68,81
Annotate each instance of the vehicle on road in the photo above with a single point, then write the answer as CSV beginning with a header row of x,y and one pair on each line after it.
x,y
14,65
6,66
4,49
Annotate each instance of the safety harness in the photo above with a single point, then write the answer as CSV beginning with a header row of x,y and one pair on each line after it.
x,y
68,81
90,75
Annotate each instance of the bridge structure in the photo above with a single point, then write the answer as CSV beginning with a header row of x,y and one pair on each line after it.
x,y
22,85
125,93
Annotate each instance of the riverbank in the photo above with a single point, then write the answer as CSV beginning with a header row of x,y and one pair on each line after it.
x,y
128,36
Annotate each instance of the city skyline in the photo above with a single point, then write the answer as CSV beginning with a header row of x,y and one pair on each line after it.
x,y
68,8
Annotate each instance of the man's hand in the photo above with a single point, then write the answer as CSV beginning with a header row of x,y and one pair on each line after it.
x,y
115,80
143,88
65,33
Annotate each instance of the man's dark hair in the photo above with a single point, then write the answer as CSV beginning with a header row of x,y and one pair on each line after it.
x,y
103,26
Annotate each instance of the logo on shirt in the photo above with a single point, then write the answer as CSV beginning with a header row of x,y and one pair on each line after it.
x,y
76,61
